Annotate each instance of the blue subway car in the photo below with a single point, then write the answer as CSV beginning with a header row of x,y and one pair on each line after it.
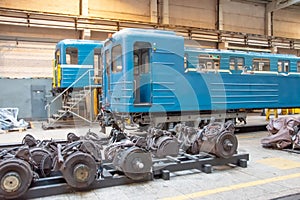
x,y
150,76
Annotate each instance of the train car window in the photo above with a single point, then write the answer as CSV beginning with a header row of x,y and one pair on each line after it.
x,y
136,63
283,66
71,56
145,61
57,57
240,63
261,64
207,61
298,66
117,61
141,57
232,63
98,63
236,63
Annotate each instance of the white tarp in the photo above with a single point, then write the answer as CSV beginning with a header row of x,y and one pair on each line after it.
x,y
9,119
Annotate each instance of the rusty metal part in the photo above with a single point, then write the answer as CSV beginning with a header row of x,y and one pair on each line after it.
x,y
223,145
23,153
162,143
118,140
71,137
128,154
15,178
166,146
216,138
134,162
43,161
30,141
186,136
91,148
79,170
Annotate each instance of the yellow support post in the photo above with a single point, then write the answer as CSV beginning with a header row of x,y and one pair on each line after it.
x,y
284,111
268,113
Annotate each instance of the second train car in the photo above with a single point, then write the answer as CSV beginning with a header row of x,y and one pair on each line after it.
x,y
151,77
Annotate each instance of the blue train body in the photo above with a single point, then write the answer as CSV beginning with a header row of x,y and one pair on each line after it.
x,y
151,75
157,75
74,63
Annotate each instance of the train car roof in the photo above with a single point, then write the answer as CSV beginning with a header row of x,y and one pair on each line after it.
x,y
78,42
141,32
238,52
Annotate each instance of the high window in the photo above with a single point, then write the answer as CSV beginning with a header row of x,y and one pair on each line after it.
x,y
207,61
57,57
236,63
141,57
71,56
283,66
98,63
117,61
261,64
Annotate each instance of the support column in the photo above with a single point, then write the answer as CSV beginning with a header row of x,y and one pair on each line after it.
x,y
165,12
223,45
220,22
220,14
268,23
153,11
84,12
84,8
86,34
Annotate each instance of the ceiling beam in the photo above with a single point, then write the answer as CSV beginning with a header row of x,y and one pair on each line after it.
x,y
279,4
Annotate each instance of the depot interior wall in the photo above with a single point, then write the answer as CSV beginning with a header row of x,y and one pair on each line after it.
x,y
32,57
286,22
57,6
137,10
26,59
243,17
193,13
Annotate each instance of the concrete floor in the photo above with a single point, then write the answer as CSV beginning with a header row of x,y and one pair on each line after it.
x,y
270,174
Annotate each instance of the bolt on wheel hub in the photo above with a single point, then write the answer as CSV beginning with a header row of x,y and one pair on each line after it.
x,y
81,172
11,182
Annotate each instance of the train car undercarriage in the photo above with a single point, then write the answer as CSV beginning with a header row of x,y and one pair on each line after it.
x,y
37,168
167,121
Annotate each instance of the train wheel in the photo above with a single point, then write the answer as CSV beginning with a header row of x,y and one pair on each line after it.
x,y
136,163
226,145
15,178
79,170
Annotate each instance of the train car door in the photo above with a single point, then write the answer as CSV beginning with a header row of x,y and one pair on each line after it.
x,y
142,73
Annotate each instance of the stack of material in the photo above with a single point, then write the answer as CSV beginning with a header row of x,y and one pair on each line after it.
x,y
9,119
283,133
